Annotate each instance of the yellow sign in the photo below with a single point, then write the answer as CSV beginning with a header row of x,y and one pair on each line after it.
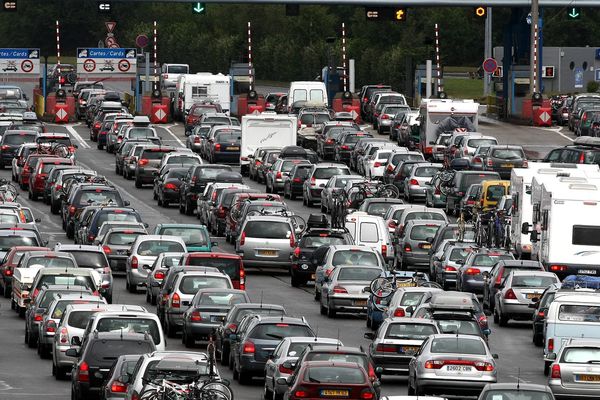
x,y
400,14
480,11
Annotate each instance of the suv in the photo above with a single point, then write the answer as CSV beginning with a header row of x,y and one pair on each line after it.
x,y
254,344
97,355
197,110
148,162
459,185
194,183
584,150
37,179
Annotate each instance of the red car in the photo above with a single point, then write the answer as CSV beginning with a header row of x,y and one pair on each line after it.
x,y
30,165
38,177
11,259
329,379
196,111
229,263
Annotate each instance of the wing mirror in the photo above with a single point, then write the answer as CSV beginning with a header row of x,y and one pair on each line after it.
x,y
72,353
525,228
76,341
369,335
126,203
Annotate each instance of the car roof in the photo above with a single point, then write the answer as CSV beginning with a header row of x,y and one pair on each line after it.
x,y
405,320
519,385
82,247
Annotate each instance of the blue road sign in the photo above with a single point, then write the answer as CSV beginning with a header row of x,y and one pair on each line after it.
x,y
20,53
106,53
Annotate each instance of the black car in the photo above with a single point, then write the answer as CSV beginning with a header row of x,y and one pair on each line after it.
x,y
303,269
328,137
222,207
225,146
166,185
584,150
294,181
97,354
540,309
10,142
116,383
194,182
346,143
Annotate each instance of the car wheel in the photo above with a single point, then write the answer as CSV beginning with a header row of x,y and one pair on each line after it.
x,y
244,378
180,207
230,365
294,281
148,296
369,323
170,329
503,320
138,183
292,195
322,308
186,340
317,294
224,355
323,208
538,340
188,208
411,390
546,368
59,373
159,201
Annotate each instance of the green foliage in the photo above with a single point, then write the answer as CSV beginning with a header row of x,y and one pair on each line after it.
x,y
592,86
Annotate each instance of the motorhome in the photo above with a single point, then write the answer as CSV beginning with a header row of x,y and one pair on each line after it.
x,y
206,86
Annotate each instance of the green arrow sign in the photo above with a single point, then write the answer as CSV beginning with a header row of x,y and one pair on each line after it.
x,y
574,13
199,8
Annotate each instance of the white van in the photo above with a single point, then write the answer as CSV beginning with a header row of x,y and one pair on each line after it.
x,y
371,231
313,92
171,72
266,129
205,86
178,110
128,321
570,316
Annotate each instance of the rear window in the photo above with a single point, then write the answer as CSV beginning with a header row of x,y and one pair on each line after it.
x,y
228,137
70,280
140,132
260,311
336,375
354,358
352,257
410,331
533,281
470,179
318,241
369,232
121,238
422,232
174,370
358,274
47,167
383,155
9,219
217,121
426,172
328,172
190,236
378,209
466,327
458,346
268,230
495,192
424,215
288,165
581,355
508,154
131,325
191,284
221,299
117,215
484,260
52,262
105,352
154,154
480,142
586,235
210,173
185,160
61,305
579,313
177,69
89,259
230,266
79,319
62,140
411,299
460,254
18,139
354,138
405,157
99,197
341,182
179,173
155,247
279,331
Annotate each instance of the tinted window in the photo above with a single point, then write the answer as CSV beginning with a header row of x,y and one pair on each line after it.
x,y
480,142
185,160
180,370
458,346
410,331
426,172
318,241
105,352
378,209
117,216
511,394
337,375
140,132
220,299
508,154
88,259
154,154
190,236
61,305
267,230
79,319
279,331
177,69
155,247
130,325
495,192
460,253
18,139
230,266
532,281
98,197
227,137
352,257
359,359
210,173
422,232
191,284
358,274
586,235
484,260
424,215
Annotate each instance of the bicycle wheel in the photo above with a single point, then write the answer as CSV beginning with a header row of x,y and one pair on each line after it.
x,y
151,394
381,287
216,391
429,284
298,222
389,191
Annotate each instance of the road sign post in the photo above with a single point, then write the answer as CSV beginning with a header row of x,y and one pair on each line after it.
x,y
106,61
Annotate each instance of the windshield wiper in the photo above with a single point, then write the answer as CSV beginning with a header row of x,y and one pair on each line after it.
x,y
311,379
593,362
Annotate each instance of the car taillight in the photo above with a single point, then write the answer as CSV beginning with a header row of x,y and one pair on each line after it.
x,y
159,275
313,181
118,387
377,164
385,116
64,336
175,300
489,162
449,268
413,182
550,345
197,139
399,312
366,394
35,293
484,366
248,348
50,326
297,180
232,327
91,237
482,320
83,372
107,250
170,186
434,364
8,271
285,370
292,240
5,147
297,252
218,147
555,371
37,317
242,238
472,271
143,161
541,314
329,141
195,316
525,164
242,278
407,248
134,262
384,250
345,147
97,125
510,295
558,268
339,289
300,393
392,224
72,210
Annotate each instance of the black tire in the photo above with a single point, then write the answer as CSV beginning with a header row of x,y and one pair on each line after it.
x,y
188,208
538,340
224,355
244,378
295,281
186,340
331,313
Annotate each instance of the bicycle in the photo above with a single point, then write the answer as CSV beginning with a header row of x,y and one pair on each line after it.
x,y
339,209
384,286
8,192
297,221
360,191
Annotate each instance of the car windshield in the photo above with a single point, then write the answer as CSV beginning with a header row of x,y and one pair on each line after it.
x,y
335,375
191,236
426,172
480,142
422,232
355,257
122,238
268,230
516,394
323,239
358,274
463,327
89,259
191,284
130,325
279,331
52,262
155,247
8,219
533,281
328,172
409,331
508,154
220,299
458,345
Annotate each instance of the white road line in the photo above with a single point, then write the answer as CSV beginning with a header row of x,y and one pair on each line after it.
x,y
76,135
557,131
168,129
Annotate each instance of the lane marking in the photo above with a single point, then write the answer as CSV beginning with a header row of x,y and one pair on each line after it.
x,y
168,129
76,135
556,130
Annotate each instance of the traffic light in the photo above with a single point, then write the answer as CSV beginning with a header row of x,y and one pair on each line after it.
x,y
480,12
9,5
198,8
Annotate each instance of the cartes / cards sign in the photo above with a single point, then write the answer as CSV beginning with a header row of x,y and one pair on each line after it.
x,y
20,61
106,61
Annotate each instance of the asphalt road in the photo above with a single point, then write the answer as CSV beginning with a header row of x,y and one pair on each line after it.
x,y
23,375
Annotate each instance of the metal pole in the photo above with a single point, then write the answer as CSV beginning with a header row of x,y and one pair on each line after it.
x,y
351,74
344,59
438,65
147,67
250,74
155,82
533,62
428,79
58,52
487,78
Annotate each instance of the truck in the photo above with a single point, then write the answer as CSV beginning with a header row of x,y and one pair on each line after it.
x,y
434,111
520,190
565,232
21,286
266,129
313,92
202,86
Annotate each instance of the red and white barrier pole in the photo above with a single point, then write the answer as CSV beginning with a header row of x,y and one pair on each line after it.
x,y
155,56
344,58
58,52
250,72
535,58
438,64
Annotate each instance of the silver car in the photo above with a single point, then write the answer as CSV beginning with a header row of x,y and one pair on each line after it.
x,y
343,290
452,364
516,292
158,272
335,184
274,177
575,372
405,297
386,116
282,363
415,184
415,243
317,178
397,341
143,252
195,138
266,241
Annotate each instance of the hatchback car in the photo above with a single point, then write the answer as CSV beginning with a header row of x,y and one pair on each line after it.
x,y
503,158
317,179
575,369
122,369
116,244
413,245
415,183
469,276
266,241
274,177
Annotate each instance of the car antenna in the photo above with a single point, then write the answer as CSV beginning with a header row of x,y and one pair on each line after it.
x,y
261,298
519,379
317,333
337,345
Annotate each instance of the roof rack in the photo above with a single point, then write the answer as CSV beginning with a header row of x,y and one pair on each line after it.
x,y
587,141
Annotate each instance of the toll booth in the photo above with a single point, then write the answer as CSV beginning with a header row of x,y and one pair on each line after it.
x,y
334,83
420,83
347,102
241,77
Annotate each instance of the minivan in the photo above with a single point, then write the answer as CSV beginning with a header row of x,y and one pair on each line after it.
x,y
370,230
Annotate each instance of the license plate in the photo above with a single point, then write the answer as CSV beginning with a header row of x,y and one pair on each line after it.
x,y
458,368
360,303
233,148
334,393
426,246
587,271
409,350
588,378
507,165
271,253
532,295
217,318
312,277
405,283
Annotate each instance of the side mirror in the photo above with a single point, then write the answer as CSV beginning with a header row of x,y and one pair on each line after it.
x,y
486,275
72,353
37,220
525,228
155,284
378,372
367,289
429,240
410,310
146,266
369,335
188,133
282,381
534,237
495,356
146,225
155,173
214,244
460,262
322,185
76,341
432,142
126,203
